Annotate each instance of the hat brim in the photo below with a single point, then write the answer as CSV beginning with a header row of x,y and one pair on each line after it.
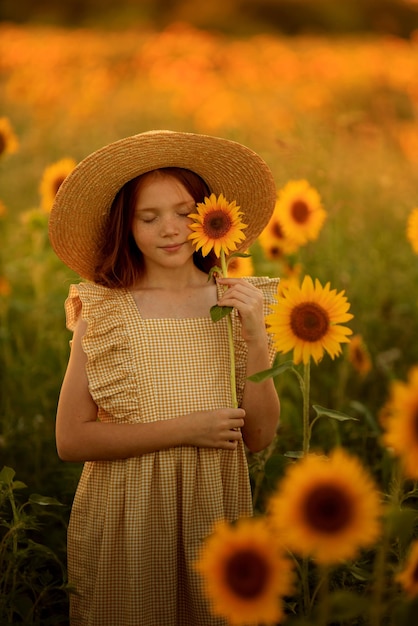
x,y
78,217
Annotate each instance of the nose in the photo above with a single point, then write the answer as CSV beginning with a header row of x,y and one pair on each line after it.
x,y
169,226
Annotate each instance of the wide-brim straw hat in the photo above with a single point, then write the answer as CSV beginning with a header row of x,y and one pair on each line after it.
x,y
77,225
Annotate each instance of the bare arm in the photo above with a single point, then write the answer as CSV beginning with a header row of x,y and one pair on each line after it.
x,y
81,437
260,400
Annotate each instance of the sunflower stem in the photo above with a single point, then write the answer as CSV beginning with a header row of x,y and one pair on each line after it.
x,y
323,589
230,339
306,394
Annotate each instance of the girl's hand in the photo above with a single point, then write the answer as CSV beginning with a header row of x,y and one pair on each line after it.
x,y
219,428
248,300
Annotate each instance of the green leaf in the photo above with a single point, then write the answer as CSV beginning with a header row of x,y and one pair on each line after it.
x,y
401,524
259,377
218,312
35,498
346,605
295,454
214,270
241,255
275,465
336,415
6,475
17,484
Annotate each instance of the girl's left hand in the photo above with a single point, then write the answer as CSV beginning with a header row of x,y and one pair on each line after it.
x,y
248,300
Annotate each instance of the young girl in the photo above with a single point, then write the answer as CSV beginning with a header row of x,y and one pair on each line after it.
x,y
146,399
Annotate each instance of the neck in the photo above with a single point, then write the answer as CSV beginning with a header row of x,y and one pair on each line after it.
x,y
177,279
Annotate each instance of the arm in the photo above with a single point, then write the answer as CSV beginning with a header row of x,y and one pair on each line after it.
x,y
260,400
81,437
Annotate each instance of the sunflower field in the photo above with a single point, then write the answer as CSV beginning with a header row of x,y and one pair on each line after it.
x,y
335,535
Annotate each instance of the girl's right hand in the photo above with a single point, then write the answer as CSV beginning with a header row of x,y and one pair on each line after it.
x,y
218,428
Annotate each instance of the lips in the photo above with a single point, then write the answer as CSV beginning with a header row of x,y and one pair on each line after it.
x,y
172,247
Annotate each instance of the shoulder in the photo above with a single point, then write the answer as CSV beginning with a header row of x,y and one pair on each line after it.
x,y
267,285
84,298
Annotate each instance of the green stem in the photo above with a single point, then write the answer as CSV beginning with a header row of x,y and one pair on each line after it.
x,y
380,587
306,390
324,597
230,339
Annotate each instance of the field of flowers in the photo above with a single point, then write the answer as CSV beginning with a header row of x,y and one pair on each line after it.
x,y
337,121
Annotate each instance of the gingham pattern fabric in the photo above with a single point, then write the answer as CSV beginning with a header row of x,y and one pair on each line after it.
x,y
136,524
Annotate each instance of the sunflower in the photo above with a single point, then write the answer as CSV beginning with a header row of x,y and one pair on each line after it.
x,y
8,140
245,572
401,422
300,211
307,319
52,179
412,229
217,225
274,242
408,577
358,355
5,287
326,507
240,266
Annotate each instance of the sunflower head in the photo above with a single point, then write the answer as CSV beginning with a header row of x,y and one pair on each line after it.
x,y
401,422
327,507
217,226
245,572
240,266
273,240
412,230
307,320
300,211
358,355
52,179
408,577
8,140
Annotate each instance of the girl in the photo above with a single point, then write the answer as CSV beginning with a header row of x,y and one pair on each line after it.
x,y
146,399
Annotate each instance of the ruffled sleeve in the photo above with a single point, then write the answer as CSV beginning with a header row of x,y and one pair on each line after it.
x,y
110,371
269,288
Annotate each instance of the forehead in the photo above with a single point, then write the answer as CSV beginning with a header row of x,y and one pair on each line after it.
x,y
156,185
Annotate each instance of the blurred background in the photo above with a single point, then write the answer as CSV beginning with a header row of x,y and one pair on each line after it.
x,y
326,91
398,17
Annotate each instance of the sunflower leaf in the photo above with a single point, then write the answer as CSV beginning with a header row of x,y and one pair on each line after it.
x,y
214,270
36,498
241,255
295,454
218,312
259,377
346,605
336,415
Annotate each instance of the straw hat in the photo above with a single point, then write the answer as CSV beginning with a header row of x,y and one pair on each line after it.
x,y
77,223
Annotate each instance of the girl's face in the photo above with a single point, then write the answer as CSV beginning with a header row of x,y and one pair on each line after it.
x,y
160,225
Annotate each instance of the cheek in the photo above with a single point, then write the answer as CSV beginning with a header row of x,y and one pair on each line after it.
x,y
140,233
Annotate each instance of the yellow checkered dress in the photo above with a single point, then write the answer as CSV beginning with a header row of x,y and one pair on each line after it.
x,y
136,523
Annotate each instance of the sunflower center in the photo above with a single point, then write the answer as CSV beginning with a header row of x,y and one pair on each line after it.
x,y
309,321
247,573
2,144
415,574
415,423
300,211
359,359
216,224
57,184
278,231
328,509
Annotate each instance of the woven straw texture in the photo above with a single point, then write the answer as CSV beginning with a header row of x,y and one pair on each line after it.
x,y
136,524
77,220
